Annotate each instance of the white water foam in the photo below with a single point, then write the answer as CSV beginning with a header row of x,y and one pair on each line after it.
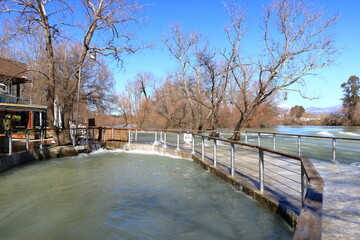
x,y
103,150
151,153
350,134
100,150
325,133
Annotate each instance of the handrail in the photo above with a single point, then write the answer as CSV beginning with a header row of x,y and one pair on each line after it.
x,y
307,136
159,129
252,146
333,148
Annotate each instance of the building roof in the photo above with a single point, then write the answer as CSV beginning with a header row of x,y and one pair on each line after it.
x,y
22,107
12,71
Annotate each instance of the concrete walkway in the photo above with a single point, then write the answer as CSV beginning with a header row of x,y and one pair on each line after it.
x,y
341,208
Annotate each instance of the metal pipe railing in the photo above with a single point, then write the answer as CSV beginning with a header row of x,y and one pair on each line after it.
x,y
155,141
19,140
261,169
171,139
27,140
178,141
202,148
215,152
232,159
331,148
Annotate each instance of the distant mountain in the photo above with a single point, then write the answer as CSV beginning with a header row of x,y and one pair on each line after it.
x,y
325,110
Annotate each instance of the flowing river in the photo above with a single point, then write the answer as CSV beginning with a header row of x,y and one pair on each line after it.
x,y
121,195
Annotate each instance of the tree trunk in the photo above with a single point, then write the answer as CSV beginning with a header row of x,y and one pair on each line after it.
x,y
236,135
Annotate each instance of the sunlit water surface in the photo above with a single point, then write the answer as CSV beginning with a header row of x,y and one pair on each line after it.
x,y
119,195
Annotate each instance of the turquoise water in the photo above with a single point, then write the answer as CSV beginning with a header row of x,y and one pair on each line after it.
x,y
119,195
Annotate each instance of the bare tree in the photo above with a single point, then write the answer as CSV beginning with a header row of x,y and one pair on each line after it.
x,y
185,47
296,44
104,32
135,104
171,104
32,15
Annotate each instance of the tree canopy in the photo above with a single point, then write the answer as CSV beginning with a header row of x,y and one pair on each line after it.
x,y
351,98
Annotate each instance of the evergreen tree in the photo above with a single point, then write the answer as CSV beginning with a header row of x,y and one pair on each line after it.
x,y
297,111
351,99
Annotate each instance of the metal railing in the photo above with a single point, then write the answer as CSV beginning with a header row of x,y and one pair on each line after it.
x,y
22,140
278,174
290,179
336,149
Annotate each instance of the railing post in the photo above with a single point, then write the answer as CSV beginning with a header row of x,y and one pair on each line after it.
x,y
155,142
274,141
215,152
299,145
246,137
104,134
129,136
27,139
93,137
165,140
202,148
303,186
178,141
193,144
112,134
10,142
261,169
232,159
333,149
41,138
259,141
161,137
74,136
136,135
87,136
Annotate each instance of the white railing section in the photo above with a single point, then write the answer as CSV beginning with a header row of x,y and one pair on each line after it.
x,y
335,149
22,140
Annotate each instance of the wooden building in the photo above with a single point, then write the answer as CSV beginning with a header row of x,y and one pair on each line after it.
x,y
12,75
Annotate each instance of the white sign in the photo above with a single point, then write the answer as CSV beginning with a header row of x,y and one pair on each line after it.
x,y
187,138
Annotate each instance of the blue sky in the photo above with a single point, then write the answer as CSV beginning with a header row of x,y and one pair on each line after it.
x,y
209,19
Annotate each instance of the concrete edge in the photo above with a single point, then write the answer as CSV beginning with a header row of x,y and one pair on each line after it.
x,y
21,158
309,224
